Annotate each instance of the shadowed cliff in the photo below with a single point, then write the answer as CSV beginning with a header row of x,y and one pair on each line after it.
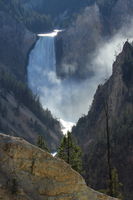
x,y
116,95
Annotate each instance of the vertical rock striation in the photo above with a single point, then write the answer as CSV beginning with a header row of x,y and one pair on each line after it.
x,y
117,93
15,44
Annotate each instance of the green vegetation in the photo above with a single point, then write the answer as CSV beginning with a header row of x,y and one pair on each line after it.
x,y
39,16
95,161
36,22
70,152
57,7
33,20
25,97
116,185
41,143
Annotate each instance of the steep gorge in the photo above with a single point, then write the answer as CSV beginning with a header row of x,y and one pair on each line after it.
x,y
15,44
90,129
116,95
90,29
16,116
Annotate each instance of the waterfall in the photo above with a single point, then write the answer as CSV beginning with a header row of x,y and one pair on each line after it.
x,y
54,93
66,99
42,65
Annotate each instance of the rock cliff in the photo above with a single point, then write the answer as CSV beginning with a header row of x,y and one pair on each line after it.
x,y
29,173
19,120
97,22
117,92
115,98
15,44
75,45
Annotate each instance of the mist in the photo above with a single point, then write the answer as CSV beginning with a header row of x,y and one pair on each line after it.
x,y
70,98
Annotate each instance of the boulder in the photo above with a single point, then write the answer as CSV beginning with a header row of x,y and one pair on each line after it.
x,y
29,173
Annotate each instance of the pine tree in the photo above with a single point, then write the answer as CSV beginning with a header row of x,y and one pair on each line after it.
x,y
70,152
116,185
62,151
41,143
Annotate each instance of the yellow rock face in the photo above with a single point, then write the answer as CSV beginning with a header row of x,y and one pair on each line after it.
x,y
29,173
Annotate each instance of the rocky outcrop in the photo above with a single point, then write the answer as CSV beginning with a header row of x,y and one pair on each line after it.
x,y
19,120
77,45
114,98
15,44
117,91
29,173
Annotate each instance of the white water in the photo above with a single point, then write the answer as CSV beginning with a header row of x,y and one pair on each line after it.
x,y
52,34
62,97
66,126
42,75
41,69
68,99
59,96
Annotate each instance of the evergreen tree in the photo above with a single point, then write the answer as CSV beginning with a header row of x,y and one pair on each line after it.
x,y
62,151
41,143
70,152
116,185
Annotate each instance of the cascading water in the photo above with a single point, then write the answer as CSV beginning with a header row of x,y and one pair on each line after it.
x,y
67,99
42,77
42,67
42,73
59,96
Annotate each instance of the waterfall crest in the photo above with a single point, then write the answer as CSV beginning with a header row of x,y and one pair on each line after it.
x,y
42,77
66,99
42,65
